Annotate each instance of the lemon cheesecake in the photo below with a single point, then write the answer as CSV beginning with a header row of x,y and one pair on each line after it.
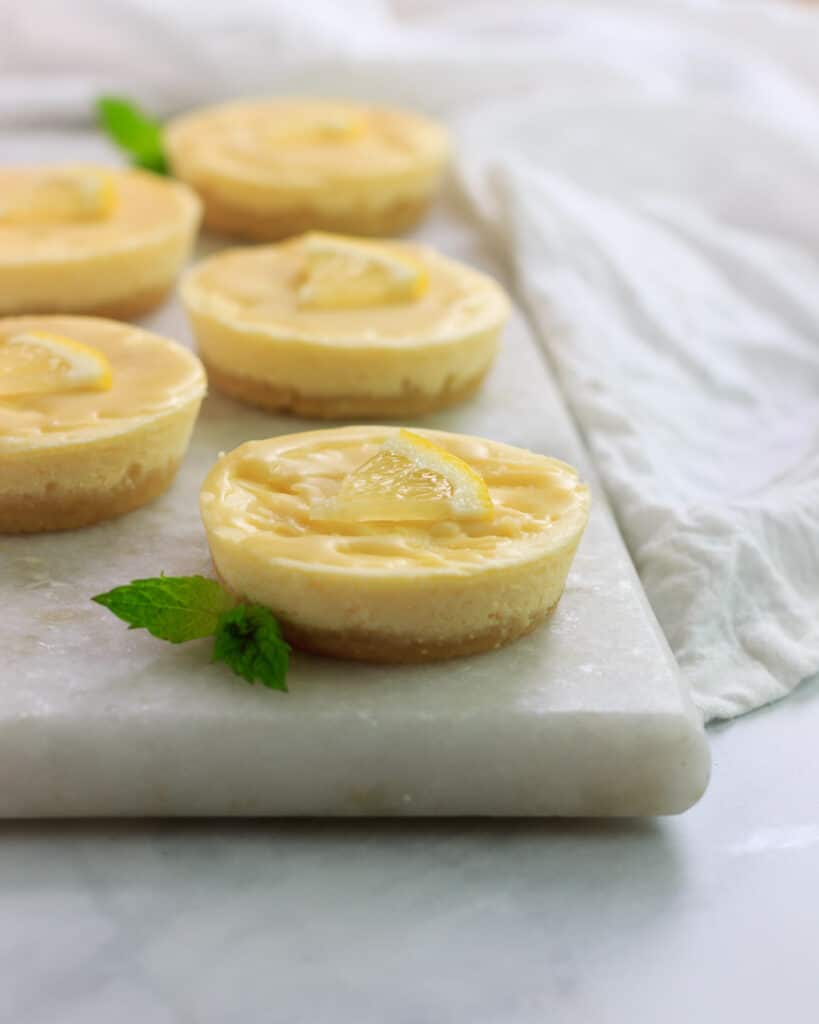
x,y
91,240
271,168
391,545
95,416
333,327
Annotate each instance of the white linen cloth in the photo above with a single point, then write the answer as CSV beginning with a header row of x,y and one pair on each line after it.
x,y
651,173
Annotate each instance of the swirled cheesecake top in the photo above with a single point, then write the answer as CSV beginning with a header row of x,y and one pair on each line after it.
x,y
260,499
50,393
297,143
267,289
55,215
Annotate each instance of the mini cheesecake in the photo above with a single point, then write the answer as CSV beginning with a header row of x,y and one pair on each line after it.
x,y
95,417
91,240
272,168
378,544
324,326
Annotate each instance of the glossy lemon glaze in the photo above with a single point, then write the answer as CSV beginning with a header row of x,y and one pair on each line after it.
x,y
257,288
150,375
257,501
145,206
305,144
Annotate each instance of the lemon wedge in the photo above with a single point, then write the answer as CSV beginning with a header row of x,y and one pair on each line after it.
x,y
347,273
63,197
310,128
410,479
37,362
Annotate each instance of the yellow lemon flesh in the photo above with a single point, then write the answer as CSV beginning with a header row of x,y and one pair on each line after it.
x,y
409,479
62,198
346,273
309,129
37,362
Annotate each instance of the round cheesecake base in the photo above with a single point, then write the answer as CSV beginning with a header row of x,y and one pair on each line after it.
x,y
265,395
401,592
128,307
392,650
74,485
67,510
404,628
224,218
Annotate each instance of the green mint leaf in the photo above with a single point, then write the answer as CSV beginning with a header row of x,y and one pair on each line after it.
x,y
174,608
139,135
249,639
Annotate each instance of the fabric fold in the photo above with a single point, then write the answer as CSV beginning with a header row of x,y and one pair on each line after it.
x,y
688,354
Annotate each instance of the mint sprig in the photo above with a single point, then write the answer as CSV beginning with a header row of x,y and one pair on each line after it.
x,y
249,639
174,608
246,637
134,131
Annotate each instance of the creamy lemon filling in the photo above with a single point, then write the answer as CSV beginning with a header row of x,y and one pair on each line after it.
x,y
126,375
257,501
259,287
146,207
39,362
314,124
292,144
59,197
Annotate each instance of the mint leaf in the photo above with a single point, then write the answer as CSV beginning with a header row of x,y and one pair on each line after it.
x,y
133,131
179,608
249,639
174,608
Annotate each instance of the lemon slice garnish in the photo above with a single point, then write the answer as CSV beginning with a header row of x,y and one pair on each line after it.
x,y
409,479
346,273
37,362
63,197
309,128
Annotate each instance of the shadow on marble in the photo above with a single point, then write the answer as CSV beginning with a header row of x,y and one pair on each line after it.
x,y
207,920
384,830
468,861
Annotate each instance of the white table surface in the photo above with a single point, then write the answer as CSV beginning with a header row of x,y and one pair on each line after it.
x,y
713,916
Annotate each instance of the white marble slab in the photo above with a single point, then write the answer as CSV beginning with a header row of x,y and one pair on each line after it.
x,y
433,921
584,717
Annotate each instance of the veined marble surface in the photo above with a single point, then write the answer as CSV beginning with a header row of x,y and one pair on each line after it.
x,y
708,917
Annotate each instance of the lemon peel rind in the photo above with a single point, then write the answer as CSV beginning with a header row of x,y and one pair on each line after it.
x,y
397,276
468,497
87,367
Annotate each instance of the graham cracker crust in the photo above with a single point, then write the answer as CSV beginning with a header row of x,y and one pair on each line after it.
x,y
66,510
133,306
130,307
333,407
226,219
387,649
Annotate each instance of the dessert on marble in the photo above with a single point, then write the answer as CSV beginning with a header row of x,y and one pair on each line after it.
x,y
95,416
381,544
332,327
91,240
271,168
